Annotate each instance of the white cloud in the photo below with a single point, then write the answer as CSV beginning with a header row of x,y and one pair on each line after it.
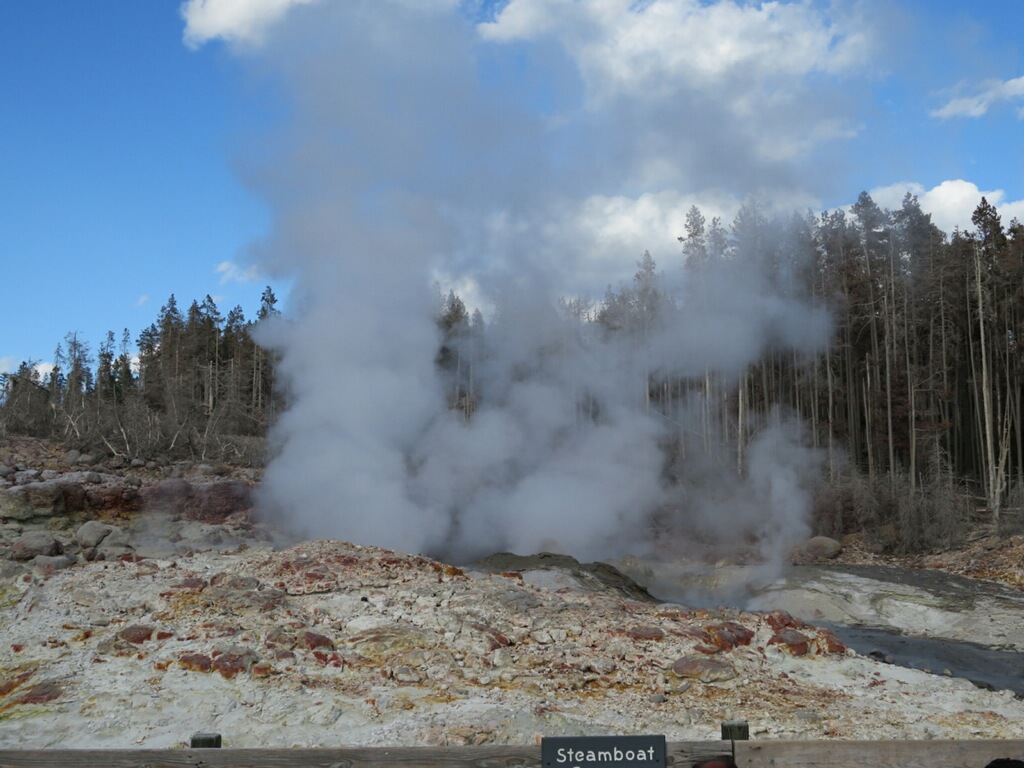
x,y
950,203
142,300
765,77
232,273
232,20
978,104
8,365
625,48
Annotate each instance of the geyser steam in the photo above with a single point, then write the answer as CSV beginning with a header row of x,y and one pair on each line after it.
x,y
421,149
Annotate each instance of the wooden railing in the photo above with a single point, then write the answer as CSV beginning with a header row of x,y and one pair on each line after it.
x,y
745,754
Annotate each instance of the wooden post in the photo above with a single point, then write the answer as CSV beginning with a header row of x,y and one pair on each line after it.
x,y
735,730
205,741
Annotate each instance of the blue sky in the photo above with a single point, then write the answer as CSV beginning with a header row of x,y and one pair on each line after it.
x,y
145,145
117,185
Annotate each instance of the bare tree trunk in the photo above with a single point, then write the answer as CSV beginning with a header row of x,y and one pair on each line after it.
x,y
740,423
993,476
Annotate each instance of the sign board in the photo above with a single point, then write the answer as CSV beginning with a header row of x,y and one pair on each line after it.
x,y
603,752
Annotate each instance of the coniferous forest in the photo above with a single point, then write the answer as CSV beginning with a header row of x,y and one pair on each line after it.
x,y
195,385
915,405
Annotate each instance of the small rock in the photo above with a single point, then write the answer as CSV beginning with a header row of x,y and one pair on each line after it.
x,y
704,670
47,564
502,657
600,666
25,476
645,632
405,674
85,597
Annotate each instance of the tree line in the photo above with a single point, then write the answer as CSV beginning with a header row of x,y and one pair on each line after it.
x,y
917,401
196,385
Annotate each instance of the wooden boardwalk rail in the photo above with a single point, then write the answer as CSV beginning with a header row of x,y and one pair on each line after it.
x,y
746,754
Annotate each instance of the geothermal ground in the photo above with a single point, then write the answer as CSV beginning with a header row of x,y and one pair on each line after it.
x,y
139,625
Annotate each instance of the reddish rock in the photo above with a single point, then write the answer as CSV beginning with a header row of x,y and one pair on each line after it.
x,y
645,632
197,662
220,630
280,637
312,640
13,683
792,641
263,669
495,639
728,634
113,498
233,661
827,642
214,502
136,634
41,693
778,620
447,572
75,497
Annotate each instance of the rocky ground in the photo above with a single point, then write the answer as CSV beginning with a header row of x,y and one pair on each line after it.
x,y
984,555
140,604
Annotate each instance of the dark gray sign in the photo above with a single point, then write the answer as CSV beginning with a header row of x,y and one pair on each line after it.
x,y
603,752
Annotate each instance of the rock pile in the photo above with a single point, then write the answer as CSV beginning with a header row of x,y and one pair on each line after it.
x,y
57,509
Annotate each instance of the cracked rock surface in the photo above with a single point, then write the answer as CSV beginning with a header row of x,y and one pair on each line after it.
x,y
328,643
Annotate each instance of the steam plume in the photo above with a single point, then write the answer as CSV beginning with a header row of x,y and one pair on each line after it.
x,y
420,150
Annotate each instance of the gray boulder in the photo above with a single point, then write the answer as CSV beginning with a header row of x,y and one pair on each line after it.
x,y
114,545
35,543
92,533
817,549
